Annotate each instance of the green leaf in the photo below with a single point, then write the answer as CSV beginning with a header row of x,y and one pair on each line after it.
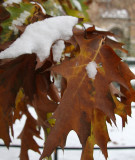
x,y
73,11
84,8
53,8
7,34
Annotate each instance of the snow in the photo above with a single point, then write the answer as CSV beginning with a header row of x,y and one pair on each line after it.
x,y
132,68
87,25
32,112
129,58
57,50
115,13
91,69
77,5
118,136
8,2
113,155
39,37
19,21
52,34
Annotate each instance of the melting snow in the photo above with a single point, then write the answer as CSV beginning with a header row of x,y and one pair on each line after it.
x,y
91,69
57,50
39,37
86,25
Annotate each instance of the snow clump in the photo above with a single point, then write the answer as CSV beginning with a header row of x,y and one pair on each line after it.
x,y
91,69
57,50
39,37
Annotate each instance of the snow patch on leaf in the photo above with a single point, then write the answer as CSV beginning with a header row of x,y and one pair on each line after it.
x,y
39,37
57,50
8,2
19,21
91,69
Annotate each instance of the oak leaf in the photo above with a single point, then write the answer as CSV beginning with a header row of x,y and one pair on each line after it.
x,y
9,88
27,141
29,86
41,101
88,102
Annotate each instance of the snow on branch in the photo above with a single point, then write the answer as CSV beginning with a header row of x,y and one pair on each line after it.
x,y
39,37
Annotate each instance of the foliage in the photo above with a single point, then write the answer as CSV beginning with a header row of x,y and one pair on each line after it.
x,y
85,104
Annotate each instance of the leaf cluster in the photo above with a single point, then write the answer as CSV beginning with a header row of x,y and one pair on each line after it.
x,y
80,103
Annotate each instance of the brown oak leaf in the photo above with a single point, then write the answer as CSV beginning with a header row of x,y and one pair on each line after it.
x,y
87,101
27,141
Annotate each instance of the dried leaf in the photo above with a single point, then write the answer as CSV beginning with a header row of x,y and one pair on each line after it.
x,y
13,76
4,128
27,141
41,102
99,135
87,103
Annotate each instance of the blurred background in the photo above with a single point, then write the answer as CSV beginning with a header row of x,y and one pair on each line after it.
x,y
117,16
